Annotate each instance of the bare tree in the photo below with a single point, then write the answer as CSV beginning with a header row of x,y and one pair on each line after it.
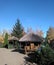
x,y
50,34
39,32
30,30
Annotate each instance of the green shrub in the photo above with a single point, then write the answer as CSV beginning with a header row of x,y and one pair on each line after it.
x,y
6,40
46,55
43,56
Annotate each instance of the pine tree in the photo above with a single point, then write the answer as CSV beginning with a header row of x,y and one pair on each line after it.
x,y
6,40
17,29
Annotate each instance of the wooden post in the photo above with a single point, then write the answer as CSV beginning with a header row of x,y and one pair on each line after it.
x,y
25,48
32,46
20,45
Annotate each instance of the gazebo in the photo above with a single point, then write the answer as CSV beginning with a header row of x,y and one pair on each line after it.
x,y
13,40
30,42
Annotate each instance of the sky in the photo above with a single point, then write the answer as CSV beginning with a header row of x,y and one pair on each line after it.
x,y
37,14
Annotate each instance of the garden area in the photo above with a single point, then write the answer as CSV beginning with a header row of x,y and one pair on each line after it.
x,y
44,55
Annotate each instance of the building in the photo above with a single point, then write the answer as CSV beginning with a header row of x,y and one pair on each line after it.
x,y
30,42
13,41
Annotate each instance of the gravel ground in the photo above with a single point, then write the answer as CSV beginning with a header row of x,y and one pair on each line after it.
x,y
11,58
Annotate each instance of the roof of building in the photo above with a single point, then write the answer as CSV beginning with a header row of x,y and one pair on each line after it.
x,y
31,37
13,38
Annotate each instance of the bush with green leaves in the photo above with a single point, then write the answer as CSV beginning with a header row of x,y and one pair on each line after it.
x,y
43,56
46,55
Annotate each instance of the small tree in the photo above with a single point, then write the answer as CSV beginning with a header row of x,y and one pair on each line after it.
x,y
17,29
50,34
50,37
46,55
6,40
43,56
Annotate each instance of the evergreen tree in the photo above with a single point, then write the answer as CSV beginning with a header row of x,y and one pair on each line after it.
x,y
43,56
17,29
6,40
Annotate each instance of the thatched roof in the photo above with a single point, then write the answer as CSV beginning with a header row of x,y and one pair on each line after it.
x,y
31,37
13,38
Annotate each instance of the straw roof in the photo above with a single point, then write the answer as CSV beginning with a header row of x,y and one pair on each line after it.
x,y
31,37
13,38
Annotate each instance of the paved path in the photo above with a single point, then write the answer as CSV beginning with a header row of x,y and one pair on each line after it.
x,y
10,58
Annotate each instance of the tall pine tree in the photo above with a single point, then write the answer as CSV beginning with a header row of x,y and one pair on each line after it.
x,y
17,29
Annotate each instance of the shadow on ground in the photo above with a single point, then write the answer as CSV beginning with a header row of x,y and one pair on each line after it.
x,y
20,51
29,61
